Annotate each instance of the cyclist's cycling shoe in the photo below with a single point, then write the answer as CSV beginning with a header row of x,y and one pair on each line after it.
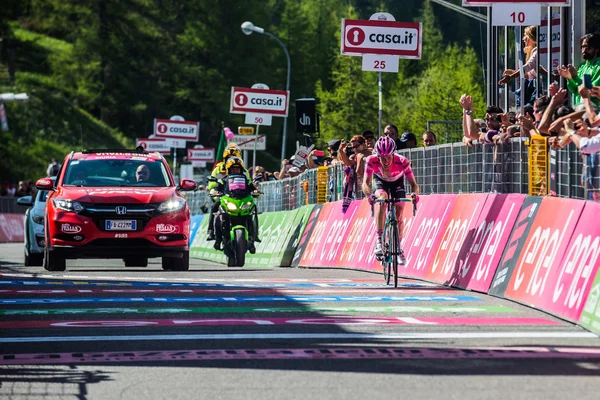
x,y
251,248
217,245
401,258
378,250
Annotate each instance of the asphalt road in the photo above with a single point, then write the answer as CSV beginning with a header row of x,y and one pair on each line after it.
x,y
103,331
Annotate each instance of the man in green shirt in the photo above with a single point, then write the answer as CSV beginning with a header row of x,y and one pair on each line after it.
x,y
590,52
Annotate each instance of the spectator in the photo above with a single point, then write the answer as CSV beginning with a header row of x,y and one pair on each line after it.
x,y
531,53
392,131
333,146
586,139
429,139
53,168
408,140
590,52
370,139
22,189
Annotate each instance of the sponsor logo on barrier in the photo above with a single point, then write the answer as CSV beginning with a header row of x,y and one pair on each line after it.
x,y
316,236
425,239
551,232
578,267
308,230
515,244
572,276
451,253
494,227
337,233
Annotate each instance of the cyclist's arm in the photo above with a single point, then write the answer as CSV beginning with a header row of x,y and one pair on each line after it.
x,y
413,184
410,177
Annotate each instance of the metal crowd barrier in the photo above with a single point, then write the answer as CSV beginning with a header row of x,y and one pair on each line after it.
x,y
8,205
449,168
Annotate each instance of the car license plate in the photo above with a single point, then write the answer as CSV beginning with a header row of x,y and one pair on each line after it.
x,y
120,225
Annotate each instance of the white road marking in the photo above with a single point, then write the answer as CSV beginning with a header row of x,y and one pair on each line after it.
x,y
271,336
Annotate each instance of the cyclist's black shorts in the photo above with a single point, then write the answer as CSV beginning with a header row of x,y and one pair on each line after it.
x,y
394,189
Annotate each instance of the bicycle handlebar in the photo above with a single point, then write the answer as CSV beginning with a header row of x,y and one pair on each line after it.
x,y
387,201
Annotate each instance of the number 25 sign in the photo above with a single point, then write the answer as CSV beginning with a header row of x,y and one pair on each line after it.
x,y
379,63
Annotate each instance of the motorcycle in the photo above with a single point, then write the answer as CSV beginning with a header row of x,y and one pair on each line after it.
x,y
236,221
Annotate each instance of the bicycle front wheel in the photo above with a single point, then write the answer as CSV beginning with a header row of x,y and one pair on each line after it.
x,y
395,244
385,261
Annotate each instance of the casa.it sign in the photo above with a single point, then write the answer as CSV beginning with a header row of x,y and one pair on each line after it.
x,y
203,154
261,101
150,145
402,39
185,130
485,3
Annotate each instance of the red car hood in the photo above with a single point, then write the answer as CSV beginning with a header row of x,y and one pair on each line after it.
x,y
120,195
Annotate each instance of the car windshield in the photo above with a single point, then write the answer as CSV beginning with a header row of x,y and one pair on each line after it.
x,y
116,171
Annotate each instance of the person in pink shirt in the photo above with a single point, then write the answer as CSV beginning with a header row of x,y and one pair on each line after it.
x,y
389,170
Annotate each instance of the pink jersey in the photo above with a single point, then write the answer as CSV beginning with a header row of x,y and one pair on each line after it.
x,y
399,168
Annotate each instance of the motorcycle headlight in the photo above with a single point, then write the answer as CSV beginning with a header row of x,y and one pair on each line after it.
x,y
38,219
171,205
67,205
231,207
247,206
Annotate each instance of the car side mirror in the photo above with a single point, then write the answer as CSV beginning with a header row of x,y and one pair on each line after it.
x,y
187,185
45,184
25,201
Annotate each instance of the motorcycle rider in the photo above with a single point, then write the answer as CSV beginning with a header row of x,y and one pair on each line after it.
x,y
237,183
220,172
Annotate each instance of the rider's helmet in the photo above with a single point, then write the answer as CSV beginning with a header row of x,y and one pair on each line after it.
x,y
234,162
385,146
231,151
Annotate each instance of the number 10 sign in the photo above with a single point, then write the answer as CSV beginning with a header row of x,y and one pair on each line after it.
x,y
516,14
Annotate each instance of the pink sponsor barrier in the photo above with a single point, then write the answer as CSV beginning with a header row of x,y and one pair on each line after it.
x,y
539,261
456,239
573,274
12,227
425,233
486,241
324,248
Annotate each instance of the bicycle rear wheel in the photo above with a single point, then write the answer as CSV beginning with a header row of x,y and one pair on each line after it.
x,y
395,245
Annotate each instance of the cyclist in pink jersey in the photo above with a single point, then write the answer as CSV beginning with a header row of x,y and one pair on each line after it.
x,y
389,170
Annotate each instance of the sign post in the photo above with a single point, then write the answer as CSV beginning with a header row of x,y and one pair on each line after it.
x,y
381,41
176,128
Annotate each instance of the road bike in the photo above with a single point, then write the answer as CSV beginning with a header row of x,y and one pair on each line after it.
x,y
391,238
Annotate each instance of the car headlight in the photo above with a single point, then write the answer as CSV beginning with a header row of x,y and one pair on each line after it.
x,y
231,207
67,205
38,219
171,205
247,205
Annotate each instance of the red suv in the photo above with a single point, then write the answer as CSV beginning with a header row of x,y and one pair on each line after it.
x,y
116,204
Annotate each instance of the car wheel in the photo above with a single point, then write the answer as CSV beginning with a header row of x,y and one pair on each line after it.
x,y
136,262
33,260
177,264
53,261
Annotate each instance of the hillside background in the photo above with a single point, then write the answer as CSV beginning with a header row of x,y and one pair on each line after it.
x,y
99,71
